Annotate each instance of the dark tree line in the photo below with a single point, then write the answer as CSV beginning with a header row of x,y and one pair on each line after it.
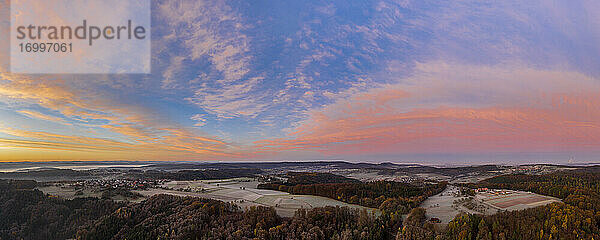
x,y
385,195
393,198
305,178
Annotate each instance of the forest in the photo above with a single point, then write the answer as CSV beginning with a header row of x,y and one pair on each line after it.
x,y
393,199
385,195
554,221
173,217
304,178
26,213
577,217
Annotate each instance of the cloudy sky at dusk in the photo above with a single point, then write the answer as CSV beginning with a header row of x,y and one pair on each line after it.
x,y
460,81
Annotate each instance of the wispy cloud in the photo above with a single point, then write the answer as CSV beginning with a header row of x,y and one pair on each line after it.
x,y
200,120
212,31
232,100
38,115
450,108
138,128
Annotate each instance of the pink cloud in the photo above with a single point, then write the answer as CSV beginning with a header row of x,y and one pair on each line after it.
x,y
529,111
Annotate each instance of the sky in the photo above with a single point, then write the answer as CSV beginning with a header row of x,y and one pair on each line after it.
x,y
423,81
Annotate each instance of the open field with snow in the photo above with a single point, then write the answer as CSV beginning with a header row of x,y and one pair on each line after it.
x,y
441,205
447,204
507,200
243,192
